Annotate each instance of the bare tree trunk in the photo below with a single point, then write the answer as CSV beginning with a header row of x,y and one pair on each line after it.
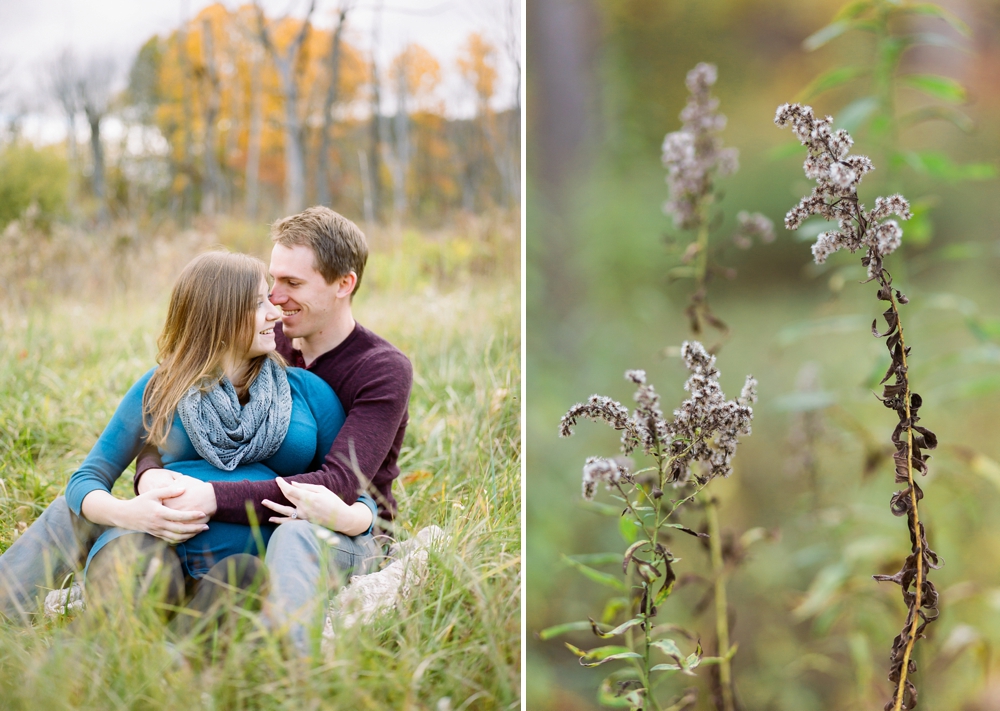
x,y
295,175
325,172
252,175
401,159
187,164
210,179
366,188
93,88
376,121
97,151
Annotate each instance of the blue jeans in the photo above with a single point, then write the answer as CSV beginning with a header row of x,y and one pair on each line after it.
x,y
305,562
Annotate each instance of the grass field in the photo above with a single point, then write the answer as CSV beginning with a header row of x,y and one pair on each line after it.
x,y
454,644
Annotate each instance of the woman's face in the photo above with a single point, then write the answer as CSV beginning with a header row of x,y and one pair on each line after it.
x,y
265,316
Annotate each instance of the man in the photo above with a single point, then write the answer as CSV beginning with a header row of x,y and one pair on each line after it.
x,y
317,263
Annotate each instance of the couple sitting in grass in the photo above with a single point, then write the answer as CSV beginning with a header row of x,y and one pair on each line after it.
x,y
270,406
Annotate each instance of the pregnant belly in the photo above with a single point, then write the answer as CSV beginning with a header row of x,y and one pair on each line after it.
x,y
202,470
199,553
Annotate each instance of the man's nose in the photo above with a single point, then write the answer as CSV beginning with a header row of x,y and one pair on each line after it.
x,y
276,296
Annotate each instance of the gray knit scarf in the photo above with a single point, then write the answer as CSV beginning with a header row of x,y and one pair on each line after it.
x,y
226,434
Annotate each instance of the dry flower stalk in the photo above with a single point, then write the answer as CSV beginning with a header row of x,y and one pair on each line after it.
x,y
688,451
835,197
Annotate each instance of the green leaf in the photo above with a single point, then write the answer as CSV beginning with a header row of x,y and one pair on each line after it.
x,y
668,647
631,551
689,531
614,607
598,558
927,8
830,80
617,630
664,592
919,229
804,401
938,165
600,655
962,252
556,630
853,116
665,667
880,124
629,528
933,39
685,664
824,591
785,150
600,508
933,113
824,35
939,87
825,326
596,575
852,10
608,695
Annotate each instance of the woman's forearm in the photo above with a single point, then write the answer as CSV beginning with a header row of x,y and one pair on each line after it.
x,y
102,508
354,521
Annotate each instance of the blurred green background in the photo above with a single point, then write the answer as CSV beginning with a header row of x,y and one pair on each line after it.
x,y
605,84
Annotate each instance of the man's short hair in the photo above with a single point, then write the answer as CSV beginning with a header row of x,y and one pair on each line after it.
x,y
339,246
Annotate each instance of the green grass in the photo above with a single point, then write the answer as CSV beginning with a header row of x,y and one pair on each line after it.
x,y
63,369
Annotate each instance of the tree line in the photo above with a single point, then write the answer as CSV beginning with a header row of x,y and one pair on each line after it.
x,y
236,112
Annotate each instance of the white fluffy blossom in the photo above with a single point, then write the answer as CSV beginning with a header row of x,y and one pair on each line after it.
x,y
835,196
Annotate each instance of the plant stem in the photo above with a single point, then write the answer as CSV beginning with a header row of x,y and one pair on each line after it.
x,y
918,538
701,270
721,604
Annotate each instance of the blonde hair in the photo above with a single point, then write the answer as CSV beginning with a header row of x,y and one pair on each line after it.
x,y
211,317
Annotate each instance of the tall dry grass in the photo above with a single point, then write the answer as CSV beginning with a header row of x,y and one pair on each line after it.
x,y
81,320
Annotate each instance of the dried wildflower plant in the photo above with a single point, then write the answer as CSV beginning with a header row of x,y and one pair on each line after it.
x,y
687,451
835,197
695,158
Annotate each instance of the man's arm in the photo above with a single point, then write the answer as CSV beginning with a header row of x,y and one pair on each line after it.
x,y
356,455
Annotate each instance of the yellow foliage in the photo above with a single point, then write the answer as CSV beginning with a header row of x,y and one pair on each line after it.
x,y
243,68
477,63
421,73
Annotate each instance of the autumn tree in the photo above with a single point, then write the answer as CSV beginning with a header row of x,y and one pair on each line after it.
x,y
477,64
288,61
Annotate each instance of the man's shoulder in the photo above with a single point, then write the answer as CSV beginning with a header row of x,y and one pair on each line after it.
x,y
372,348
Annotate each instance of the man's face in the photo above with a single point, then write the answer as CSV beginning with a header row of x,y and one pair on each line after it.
x,y
306,301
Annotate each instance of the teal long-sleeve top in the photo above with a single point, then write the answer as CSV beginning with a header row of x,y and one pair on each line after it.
x,y
316,418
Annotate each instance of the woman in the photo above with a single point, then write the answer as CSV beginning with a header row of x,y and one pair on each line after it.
x,y
220,404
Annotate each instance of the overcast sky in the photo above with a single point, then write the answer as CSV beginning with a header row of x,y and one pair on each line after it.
x,y
33,32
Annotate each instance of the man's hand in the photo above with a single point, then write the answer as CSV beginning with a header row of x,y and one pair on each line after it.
x,y
197,495
156,478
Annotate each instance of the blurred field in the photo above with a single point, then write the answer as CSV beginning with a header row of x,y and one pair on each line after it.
x,y
81,316
814,630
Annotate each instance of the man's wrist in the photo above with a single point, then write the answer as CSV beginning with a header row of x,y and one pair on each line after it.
x,y
213,501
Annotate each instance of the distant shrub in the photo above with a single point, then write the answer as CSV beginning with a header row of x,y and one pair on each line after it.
x,y
33,182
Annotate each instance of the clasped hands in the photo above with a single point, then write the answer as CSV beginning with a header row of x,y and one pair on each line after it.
x,y
182,504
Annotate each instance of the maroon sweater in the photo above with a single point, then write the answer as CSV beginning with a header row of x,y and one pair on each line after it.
x,y
372,378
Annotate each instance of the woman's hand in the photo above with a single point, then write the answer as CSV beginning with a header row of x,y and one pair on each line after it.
x,y
145,512
156,478
320,505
